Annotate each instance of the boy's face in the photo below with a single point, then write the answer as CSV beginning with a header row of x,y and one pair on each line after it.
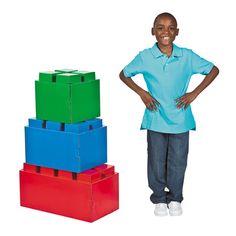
x,y
165,30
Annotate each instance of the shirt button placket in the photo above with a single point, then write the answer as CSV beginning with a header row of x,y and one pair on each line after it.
x,y
165,65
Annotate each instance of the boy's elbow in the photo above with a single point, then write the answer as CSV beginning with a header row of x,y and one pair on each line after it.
x,y
216,70
121,75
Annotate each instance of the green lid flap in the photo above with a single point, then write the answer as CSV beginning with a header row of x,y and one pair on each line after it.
x,y
48,76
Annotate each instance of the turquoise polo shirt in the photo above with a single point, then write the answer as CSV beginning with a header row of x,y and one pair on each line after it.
x,y
167,79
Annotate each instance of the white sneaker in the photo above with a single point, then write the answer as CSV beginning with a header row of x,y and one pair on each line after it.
x,y
161,209
175,208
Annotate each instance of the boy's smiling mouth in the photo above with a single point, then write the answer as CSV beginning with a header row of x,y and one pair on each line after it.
x,y
165,37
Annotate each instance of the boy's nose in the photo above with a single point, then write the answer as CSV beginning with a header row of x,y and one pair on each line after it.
x,y
166,31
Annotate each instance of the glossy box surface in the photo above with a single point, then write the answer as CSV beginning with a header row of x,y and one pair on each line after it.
x,y
71,147
87,196
67,96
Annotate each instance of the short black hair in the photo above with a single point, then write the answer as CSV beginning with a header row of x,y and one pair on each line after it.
x,y
165,14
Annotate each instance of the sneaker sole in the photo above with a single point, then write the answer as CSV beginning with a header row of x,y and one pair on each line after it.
x,y
175,213
161,214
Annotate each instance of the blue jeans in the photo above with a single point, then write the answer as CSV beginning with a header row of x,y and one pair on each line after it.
x,y
167,161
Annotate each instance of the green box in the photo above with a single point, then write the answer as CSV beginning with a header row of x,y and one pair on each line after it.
x,y
85,75
65,71
66,97
48,76
68,78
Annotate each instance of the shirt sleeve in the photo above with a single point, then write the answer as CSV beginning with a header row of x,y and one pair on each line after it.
x,y
134,67
200,65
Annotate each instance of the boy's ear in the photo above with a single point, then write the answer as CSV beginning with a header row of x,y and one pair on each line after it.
x,y
177,32
153,31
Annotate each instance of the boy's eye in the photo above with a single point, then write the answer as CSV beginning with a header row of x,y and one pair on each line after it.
x,y
161,28
172,28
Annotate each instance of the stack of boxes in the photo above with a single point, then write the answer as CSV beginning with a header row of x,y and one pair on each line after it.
x,y
66,150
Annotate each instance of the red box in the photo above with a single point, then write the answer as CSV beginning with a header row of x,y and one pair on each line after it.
x,y
86,196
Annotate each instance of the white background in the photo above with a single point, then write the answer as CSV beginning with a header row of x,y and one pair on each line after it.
x,y
103,36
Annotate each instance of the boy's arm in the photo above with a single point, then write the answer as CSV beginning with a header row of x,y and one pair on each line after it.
x,y
189,97
147,99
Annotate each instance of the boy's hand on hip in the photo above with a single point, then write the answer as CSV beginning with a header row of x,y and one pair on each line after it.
x,y
148,100
185,100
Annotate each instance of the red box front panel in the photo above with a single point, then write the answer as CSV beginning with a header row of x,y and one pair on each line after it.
x,y
85,198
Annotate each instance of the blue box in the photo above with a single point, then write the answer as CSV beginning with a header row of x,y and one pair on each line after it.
x,y
72,147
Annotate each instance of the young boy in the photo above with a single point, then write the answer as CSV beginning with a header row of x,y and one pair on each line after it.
x,y
167,70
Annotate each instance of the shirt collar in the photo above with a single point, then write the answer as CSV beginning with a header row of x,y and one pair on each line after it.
x,y
177,52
